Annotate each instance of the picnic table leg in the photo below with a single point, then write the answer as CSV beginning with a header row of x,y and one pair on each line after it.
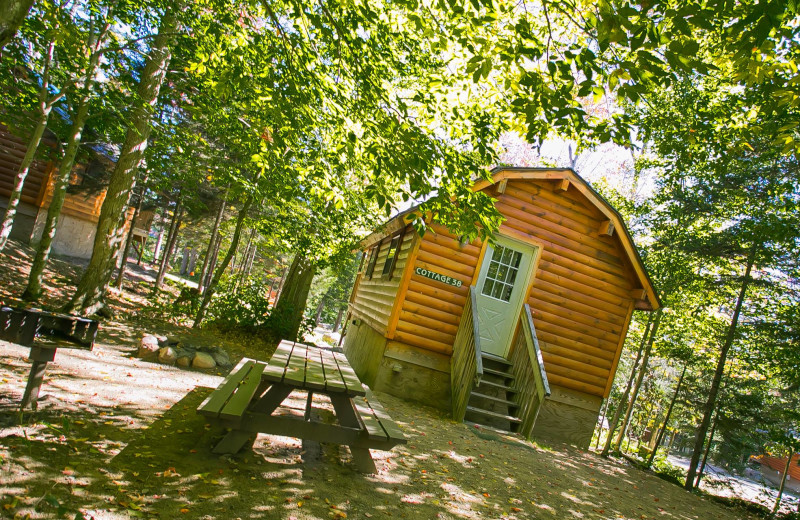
x,y
271,399
40,357
235,439
346,414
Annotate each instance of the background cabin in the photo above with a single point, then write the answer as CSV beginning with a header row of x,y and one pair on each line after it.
x,y
79,215
523,333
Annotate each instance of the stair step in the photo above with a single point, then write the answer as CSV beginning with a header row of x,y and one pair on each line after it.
x,y
496,359
498,373
494,399
501,386
495,415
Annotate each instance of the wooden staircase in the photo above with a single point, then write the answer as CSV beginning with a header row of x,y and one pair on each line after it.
x,y
491,403
505,394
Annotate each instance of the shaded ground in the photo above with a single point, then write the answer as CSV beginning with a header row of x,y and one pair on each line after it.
x,y
117,437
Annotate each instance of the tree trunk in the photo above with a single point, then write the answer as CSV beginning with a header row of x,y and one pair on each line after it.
x,y
624,400
91,289
212,242
244,260
172,238
600,426
34,289
660,437
717,381
157,249
639,379
213,264
287,315
129,241
237,235
338,319
45,107
280,284
12,14
707,450
318,313
783,484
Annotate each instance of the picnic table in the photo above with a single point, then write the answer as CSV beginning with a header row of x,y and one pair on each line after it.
x,y
23,325
247,399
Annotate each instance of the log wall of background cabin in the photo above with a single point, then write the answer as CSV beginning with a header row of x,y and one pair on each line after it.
x,y
12,151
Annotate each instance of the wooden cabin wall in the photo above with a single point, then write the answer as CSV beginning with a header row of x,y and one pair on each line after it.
x,y
567,416
581,296
374,296
12,151
431,310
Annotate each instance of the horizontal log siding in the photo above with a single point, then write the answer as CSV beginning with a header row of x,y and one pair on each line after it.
x,y
431,310
84,206
12,151
374,297
582,288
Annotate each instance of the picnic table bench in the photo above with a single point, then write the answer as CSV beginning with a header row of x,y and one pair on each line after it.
x,y
246,399
23,325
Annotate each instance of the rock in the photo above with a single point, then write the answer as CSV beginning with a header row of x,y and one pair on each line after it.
x,y
184,361
148,347
167,356
162,340
171,340
203,360
221,357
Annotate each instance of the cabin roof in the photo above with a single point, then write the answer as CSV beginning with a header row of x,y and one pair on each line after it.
x,y
500,173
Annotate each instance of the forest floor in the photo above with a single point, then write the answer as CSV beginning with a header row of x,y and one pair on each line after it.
x,y
117,437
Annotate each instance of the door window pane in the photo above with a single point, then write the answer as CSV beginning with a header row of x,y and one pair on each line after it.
x,y
501,273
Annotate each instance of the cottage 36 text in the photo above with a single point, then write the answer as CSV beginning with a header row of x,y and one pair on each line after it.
x,y
438,277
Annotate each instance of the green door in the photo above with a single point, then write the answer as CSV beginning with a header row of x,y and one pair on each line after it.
x,y
502,287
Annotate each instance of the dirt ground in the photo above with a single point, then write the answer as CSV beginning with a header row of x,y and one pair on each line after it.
x,y
117,437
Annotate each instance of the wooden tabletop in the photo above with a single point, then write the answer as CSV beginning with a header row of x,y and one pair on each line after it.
x,y
312,368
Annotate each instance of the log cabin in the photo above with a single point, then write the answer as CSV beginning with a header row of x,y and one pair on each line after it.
x,y
522,332
81,211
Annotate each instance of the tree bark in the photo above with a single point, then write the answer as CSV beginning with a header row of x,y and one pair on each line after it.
x,y
660,437
12,14
45,106
717,381
600,426
91,289
777,506
212,242
624,400
338,319
129,240
318,313
213,264
237,235
707,450
172,238
287,315
34,288
639,379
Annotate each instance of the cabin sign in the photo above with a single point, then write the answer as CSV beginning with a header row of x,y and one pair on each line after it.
x,y
438,277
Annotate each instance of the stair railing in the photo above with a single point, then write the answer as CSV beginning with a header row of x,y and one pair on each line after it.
x,y
466,366
530,378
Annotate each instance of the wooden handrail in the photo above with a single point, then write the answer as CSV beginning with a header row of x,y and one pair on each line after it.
x,y
466,365
473,296
534,343
530,378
